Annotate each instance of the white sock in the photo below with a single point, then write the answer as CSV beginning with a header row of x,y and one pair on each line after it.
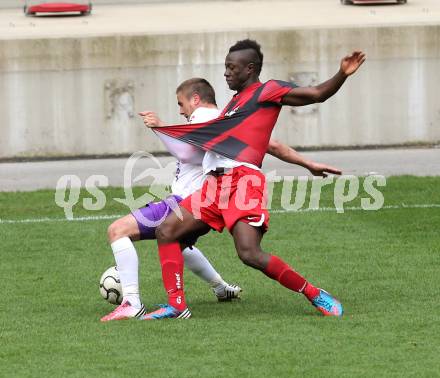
x,y
196,261
127,263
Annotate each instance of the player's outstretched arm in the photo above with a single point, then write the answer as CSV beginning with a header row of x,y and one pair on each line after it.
x,y
289,155
311,95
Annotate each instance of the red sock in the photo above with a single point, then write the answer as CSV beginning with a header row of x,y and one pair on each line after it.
x,y
278,270
171,260
310,291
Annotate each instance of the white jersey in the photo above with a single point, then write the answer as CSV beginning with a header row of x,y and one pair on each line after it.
x,y
189,173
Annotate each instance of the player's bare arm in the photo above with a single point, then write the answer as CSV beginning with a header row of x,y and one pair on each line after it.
x,y
290,155
310,95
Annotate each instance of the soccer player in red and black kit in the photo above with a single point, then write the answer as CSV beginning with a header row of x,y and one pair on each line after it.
x,y
233,195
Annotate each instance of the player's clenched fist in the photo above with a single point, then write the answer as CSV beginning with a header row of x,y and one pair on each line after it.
x,y
151,119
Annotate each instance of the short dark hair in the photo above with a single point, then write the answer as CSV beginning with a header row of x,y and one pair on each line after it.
x,y
199,86
247,44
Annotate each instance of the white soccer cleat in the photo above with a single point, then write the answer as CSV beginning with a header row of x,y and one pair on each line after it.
x,y
125,311
226,293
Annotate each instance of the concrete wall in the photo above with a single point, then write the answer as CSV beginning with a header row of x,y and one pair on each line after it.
x,y
81,96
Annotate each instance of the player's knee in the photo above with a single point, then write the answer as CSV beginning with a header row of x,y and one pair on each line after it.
x,y
250,257
164,233
112,232
118,229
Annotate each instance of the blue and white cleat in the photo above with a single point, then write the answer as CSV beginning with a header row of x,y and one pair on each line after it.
x,y
327,305
166,312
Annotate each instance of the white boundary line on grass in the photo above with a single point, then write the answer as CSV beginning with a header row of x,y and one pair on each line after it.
x,y
276,211
50,220
358,208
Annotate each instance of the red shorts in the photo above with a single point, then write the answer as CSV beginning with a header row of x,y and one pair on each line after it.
x,y
237,195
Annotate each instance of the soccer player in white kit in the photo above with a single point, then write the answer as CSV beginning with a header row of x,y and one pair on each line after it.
x,y
196,100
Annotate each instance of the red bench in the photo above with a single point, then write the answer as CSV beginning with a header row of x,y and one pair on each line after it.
x,y
84,9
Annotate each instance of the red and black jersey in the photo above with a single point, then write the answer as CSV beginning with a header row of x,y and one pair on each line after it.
x,y
243,129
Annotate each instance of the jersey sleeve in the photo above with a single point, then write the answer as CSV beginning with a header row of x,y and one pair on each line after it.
x,y
275,90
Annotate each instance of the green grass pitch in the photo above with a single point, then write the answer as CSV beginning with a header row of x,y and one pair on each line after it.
x,y
383,265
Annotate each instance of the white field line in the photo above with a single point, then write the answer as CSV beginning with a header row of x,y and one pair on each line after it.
x,y
276,211
358,208
48,220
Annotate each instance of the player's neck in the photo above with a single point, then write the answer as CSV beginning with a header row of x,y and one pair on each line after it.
x,y
205,105
248,83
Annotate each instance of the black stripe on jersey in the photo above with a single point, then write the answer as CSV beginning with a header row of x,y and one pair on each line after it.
x,y
206,134
231,146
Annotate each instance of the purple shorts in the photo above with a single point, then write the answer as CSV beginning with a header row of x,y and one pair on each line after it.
x,y
153,214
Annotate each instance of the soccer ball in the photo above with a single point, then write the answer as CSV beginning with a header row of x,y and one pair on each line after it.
x,y
110,286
